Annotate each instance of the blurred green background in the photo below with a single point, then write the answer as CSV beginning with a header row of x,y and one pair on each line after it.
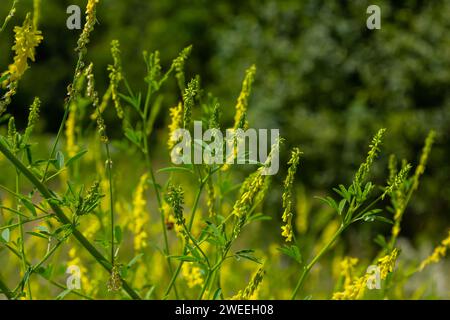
x,y
325,80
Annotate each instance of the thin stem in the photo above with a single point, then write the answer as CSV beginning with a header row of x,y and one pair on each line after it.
x,y
194,209
5,290
22,239
66,114
308,268
111,199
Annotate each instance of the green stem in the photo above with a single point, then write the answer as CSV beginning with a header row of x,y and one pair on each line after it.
x,y
66,114
111,199
22,239
194,208
308,268
47,194
5,290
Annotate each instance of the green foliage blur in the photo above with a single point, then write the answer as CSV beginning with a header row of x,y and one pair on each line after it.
x,y
323,78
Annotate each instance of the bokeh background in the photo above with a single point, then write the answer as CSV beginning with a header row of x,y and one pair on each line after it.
x,y
325,80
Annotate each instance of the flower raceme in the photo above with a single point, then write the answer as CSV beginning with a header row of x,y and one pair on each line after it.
x,y
27,38
287,195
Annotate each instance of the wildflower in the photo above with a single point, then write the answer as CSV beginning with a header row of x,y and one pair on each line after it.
x,y
33,118
211,197
192,274
189,95
140,216
240,118
114,282
27,38
254,187
178,65
438,253
356,288
115,76
387,263
287,194
93,96
397,180
347,269
90,201
91,8
13,136
252,286
363,170
249,190
176,114
175,198
423,158
71,146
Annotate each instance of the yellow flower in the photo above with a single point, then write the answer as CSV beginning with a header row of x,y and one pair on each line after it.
x,y
27,38
240,118
192,274
287,232
176,115
250,292
116,76
438,253
71,126
387,263
347,268
91,8
140,216
355,289
287,194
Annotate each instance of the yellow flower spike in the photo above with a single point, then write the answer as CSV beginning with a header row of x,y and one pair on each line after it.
x,y
70,132
357,288
27,38
240,118
387,263
438,253
176,116
347,269
192,274
116,77
287,194
140,215
91,8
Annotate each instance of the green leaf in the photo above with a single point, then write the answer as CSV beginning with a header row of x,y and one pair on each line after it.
x,y
217,294
258,217
76,157
134,136
293,252
63,294
118,234
174,169
186,258
29,205
383,219
247,254
38,234
341,206
4,77
330,201
59,160
134,260
5,235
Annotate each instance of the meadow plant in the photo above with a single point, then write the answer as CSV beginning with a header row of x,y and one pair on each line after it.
x,y
179,231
